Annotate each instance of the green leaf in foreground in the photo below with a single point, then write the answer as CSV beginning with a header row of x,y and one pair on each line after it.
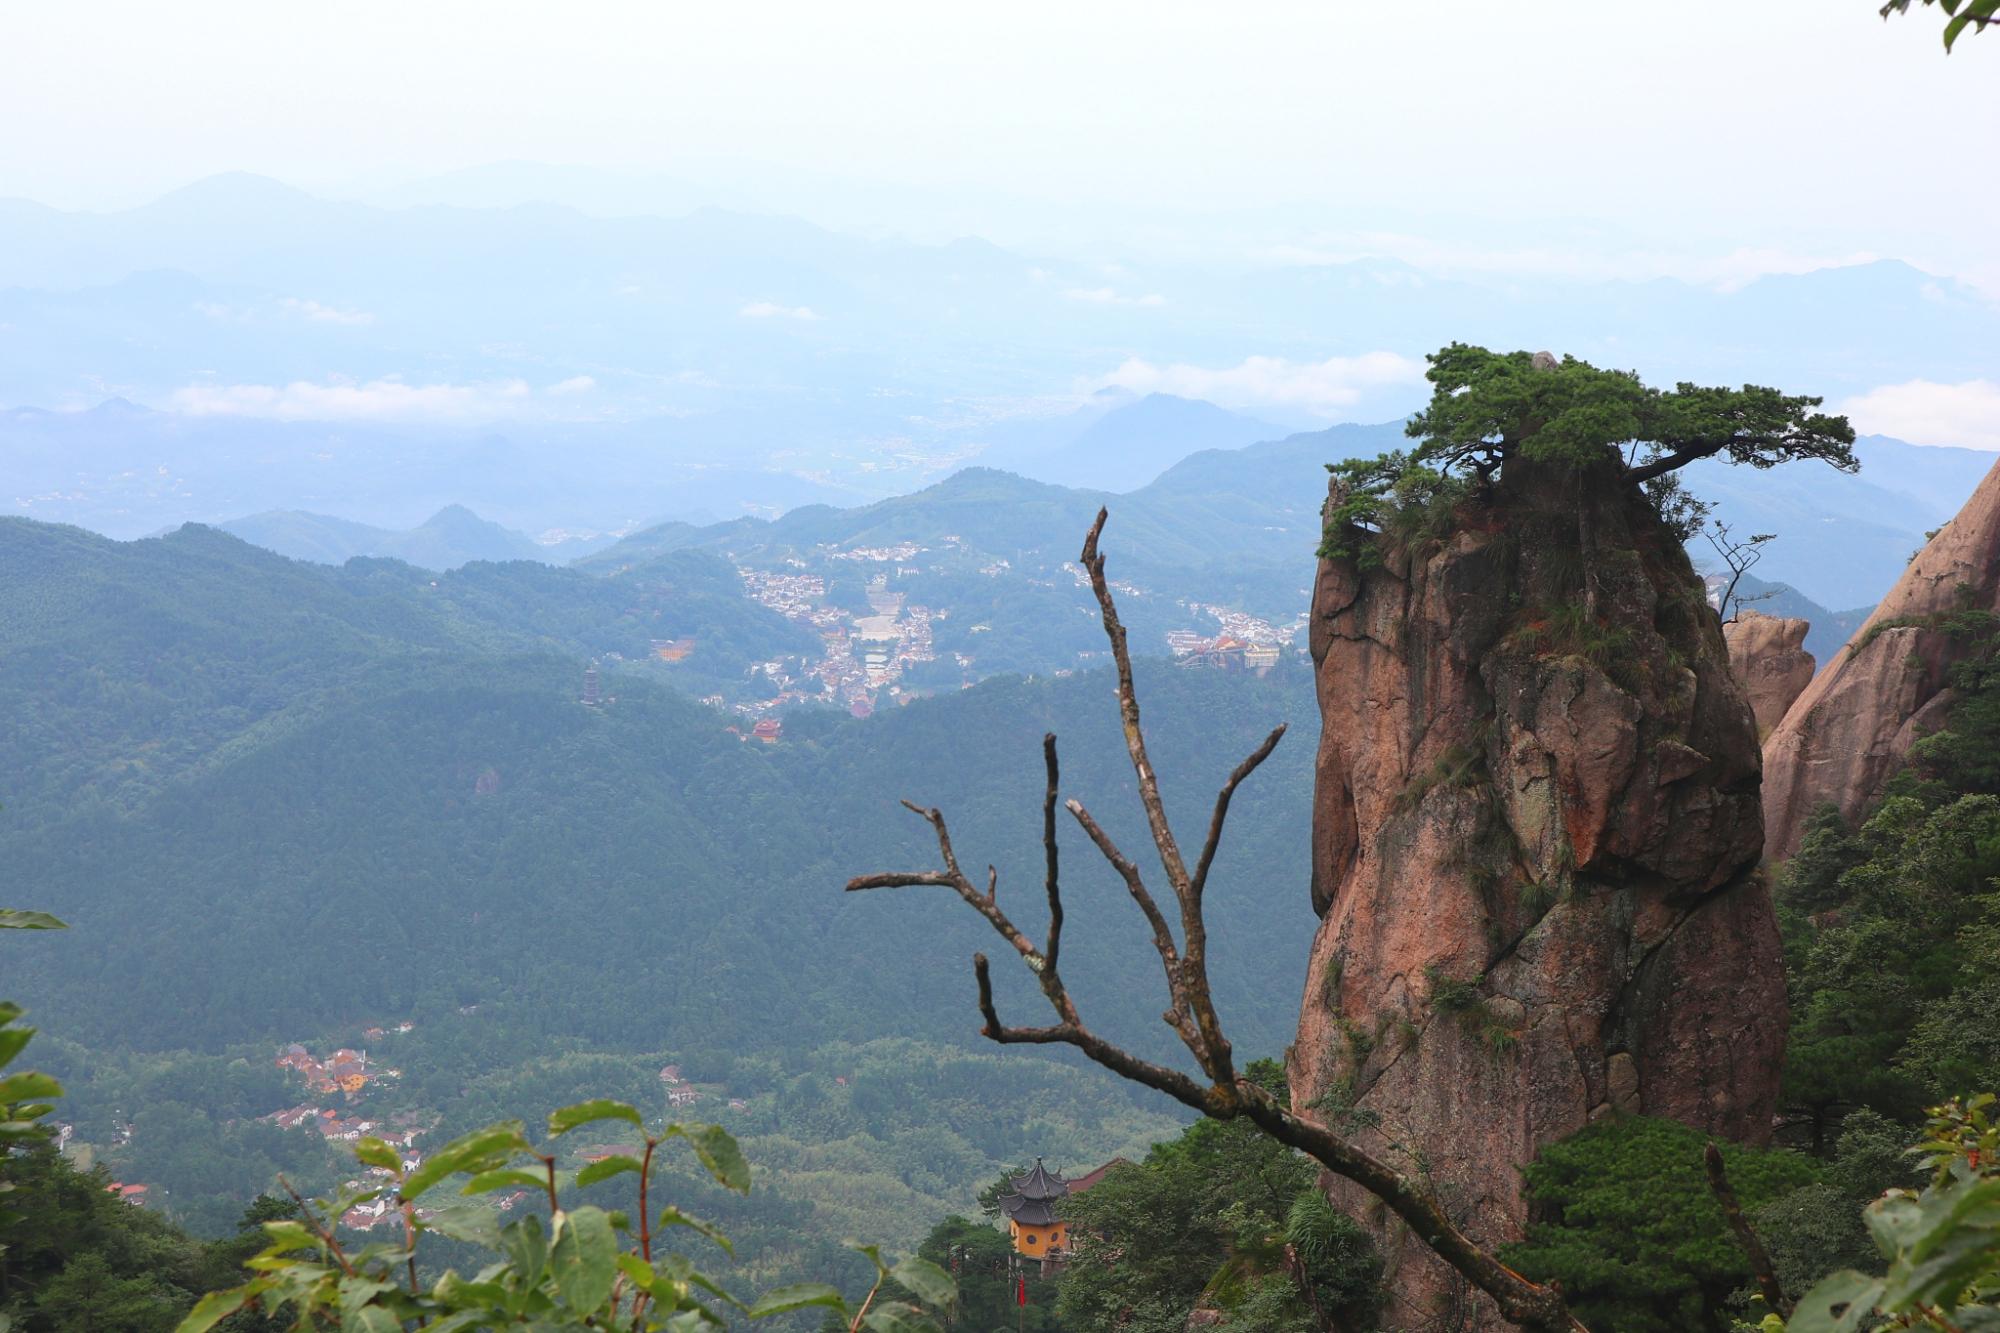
x,y
896,1317
371,1151
718,1151
584,1259
482,1150
797,1296
215,1307
671,1216
925,1280
605,1168
584,1113
504,1178
1839,1304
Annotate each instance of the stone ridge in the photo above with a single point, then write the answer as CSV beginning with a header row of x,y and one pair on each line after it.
x,y
1850,730
1768,655
1535,854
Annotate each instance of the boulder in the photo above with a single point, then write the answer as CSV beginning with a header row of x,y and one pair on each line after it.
x,y
1768,655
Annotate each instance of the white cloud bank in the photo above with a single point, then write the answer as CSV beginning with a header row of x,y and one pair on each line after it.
x,y
1925,412
1324,388
574,384
771,310
1581,260
1110,296
388,399
325,314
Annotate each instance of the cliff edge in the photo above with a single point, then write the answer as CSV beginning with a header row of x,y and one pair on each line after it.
x,y
1536,840
1847,733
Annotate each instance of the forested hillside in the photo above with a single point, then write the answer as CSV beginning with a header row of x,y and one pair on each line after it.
x,y
1235,524
130,663
479,803
280,802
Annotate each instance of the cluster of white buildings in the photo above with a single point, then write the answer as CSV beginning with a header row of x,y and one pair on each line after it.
x,y
897,554
862,655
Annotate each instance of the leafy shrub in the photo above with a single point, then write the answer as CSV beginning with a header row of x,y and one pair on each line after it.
x,y
1624,1219
586,1268
1942,1243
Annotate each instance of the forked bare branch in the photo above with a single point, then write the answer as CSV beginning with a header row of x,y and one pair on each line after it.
x,y
1747,1238
1191,1014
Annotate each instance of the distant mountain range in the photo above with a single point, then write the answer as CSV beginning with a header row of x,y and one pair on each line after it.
x,y
1233,522
1843,540
547,367
129,471
1128,445
451,537
1241,525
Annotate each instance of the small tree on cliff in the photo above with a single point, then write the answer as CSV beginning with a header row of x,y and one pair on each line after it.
x,y
1490,410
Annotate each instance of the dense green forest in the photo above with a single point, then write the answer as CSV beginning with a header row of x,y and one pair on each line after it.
x,y
280,802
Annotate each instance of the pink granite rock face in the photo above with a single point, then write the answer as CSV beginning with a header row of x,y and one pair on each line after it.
x,y
1535,849
1768,655
1841,740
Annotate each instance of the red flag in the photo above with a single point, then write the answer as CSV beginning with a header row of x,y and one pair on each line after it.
x,y
1021,1292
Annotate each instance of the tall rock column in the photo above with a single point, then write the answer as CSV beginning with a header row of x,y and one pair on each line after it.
x,y
1535,848
1771,663
1843,738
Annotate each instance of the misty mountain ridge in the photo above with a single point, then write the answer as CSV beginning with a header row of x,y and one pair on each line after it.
x,y
857,366
1221,519
1127,446
451,537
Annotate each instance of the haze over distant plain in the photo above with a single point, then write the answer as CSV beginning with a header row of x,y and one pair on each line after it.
x,y
942,232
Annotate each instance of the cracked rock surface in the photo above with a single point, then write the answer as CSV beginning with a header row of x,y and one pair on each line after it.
x,y
1537,829
1768,655
1851,728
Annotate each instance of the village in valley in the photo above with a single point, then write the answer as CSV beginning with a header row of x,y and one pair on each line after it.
x,y
340,1083
871,646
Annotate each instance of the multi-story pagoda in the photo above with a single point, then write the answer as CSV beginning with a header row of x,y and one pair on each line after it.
x,y
1032,1223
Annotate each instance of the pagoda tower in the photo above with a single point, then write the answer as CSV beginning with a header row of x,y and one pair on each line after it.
x,y
1030,1211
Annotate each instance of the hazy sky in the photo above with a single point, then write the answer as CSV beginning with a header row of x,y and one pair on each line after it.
x,y
1714,138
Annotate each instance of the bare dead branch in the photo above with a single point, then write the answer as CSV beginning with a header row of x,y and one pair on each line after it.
x,y
1746,1237
1538,1308
1215,821
1049,847
943,834
1128,711
995,1030
951,877
1163,938
1214,1051
901,879
1176,1016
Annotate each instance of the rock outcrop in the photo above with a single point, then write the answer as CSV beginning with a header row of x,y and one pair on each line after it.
x,y
1535,854
1768,655
1841,740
